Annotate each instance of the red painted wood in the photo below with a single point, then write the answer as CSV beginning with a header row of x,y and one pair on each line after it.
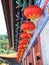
x,y
45,4
25,62
30,58
38,52
33,53
34,60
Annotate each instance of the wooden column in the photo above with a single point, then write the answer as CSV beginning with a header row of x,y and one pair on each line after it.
x,y
11,17
38,54
25,62
30,58
7,19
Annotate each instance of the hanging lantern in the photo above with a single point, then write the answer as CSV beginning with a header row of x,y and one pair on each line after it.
x,y
25,35
28,26
33,12
23,42
21,48
22,45
19,57
20,51
20,54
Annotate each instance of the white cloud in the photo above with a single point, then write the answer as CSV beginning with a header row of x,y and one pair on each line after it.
x,y
2,21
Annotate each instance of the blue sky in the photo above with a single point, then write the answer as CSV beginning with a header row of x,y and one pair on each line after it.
x,y
2,21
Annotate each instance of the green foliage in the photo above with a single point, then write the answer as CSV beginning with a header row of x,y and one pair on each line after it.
x,y
3,41
1,60
6,51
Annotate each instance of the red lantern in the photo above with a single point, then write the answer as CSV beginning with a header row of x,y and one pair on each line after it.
x,y
25,35
22,49
19,57
28,26
20,54
23,42
21,46
33,12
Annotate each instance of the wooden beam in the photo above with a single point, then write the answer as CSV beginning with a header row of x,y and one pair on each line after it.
x,y
12,24
7,19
